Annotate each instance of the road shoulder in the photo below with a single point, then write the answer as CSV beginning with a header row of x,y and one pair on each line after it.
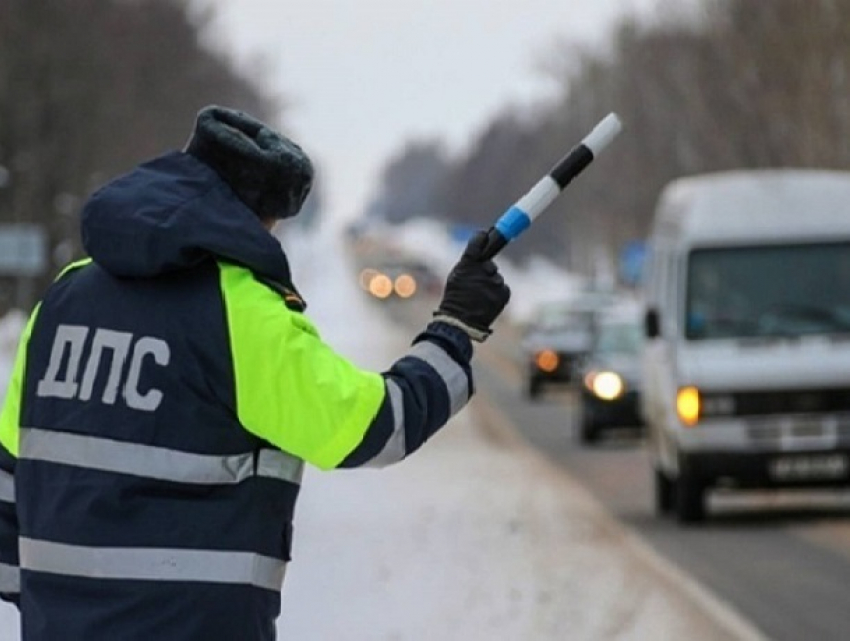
x,y
702,614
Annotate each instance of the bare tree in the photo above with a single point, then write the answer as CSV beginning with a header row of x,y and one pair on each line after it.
x,y
738,84
82,100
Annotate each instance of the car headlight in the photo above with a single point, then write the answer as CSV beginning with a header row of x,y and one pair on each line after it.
x,y
688,405
405,285
606,385
366,276
547,361
381,286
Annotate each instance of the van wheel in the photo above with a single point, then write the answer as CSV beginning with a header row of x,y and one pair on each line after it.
x,y
665,493
690,500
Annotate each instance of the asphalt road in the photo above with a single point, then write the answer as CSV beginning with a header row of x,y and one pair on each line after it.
x,y
782,560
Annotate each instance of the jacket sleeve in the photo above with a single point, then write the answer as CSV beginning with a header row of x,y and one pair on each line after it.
x,y
10,414
294,391
424,389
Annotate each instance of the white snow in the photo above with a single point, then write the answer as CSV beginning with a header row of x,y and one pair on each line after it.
x,y
475,537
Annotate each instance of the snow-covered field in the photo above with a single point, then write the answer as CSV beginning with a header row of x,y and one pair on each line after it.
x,y
475,537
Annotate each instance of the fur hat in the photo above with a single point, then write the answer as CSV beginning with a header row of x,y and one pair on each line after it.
x,y
269,173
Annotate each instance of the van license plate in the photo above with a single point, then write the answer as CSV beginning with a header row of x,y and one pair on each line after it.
x,y
815,466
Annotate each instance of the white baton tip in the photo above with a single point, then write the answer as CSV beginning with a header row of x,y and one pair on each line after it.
x,y
603,134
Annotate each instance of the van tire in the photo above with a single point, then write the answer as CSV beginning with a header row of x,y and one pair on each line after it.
x,y
534,385
690,499
665,493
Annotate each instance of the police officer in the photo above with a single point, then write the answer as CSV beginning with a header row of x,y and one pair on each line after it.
x,y
168,391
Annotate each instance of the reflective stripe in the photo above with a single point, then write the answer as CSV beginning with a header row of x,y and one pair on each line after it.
x,y
280,465
7,487
153,564
149,461
395,447
10,579
452,374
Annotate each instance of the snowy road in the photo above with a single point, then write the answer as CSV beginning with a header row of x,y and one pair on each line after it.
x,y
475,537
781,559
478,538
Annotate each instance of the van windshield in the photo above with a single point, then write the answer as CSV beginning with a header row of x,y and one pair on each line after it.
x,y
775,290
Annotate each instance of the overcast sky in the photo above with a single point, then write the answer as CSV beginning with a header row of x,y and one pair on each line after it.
x,y
362,76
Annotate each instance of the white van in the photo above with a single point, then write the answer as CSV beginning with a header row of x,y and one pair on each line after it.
x,y
746,369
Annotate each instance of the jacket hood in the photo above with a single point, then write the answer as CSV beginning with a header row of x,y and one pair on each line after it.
x,y
170,214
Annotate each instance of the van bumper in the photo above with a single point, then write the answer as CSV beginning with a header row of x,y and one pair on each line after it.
x,y
818,468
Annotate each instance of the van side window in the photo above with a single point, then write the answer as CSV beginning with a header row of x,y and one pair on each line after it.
x,y
672,300
661,285
648,283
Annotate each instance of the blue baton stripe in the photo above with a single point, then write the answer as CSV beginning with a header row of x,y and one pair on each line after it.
x,y
513,222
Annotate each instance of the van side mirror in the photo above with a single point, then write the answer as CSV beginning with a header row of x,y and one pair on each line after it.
x,y
652,323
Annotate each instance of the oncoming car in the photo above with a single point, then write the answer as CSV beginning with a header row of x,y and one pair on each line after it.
x,y
399,279
553,344
610,373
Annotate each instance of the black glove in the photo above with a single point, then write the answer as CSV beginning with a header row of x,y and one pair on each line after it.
x,y
475,292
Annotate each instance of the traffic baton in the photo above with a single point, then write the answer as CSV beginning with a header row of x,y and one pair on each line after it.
x,y
519,217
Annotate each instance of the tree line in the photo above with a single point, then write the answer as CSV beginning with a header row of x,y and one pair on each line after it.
x,y
88,89
718,85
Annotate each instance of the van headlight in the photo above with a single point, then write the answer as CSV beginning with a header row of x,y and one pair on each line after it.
x,y
606,385
688,405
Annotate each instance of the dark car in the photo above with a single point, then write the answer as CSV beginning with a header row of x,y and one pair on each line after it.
x,y
610,389
553,345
